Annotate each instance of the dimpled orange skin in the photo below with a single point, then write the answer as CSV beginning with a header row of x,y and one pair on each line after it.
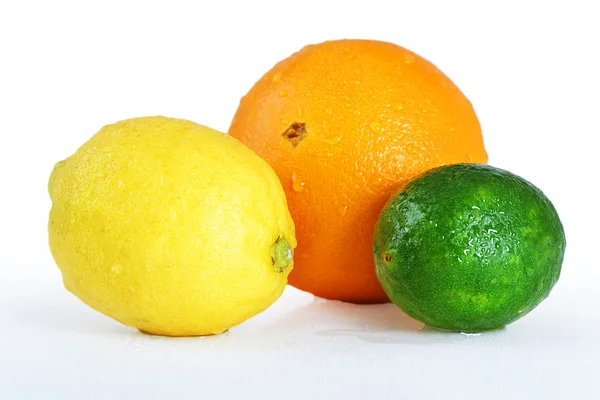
x,y
374,115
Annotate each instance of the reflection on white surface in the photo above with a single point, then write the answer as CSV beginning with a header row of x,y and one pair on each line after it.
x,y
426,336
56,347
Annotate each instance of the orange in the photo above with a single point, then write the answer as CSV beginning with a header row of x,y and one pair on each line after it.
x,y
344,123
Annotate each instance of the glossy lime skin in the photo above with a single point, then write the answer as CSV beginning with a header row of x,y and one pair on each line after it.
x,y
468,247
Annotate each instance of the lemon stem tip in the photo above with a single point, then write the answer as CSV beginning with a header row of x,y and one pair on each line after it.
x,y
281,254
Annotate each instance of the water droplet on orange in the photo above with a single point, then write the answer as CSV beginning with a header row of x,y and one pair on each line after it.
x,y
333,140
376,127
276,77
297,184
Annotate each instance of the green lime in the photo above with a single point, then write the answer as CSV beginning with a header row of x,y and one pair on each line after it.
x,y
468,247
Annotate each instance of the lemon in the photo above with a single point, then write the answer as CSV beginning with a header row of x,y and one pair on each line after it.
x,y
170,227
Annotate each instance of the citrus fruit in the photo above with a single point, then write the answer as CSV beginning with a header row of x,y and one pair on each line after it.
x,y
170,227
468,247
343,123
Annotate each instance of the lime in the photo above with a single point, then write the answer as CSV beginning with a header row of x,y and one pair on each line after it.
x,y
468,247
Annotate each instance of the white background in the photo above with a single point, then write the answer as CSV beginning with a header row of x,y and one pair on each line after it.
x,y
66,69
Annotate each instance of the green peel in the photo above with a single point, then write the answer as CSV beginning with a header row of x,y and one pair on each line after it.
x,y
281,255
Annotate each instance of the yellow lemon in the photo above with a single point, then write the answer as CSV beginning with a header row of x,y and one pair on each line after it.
x,y
170,227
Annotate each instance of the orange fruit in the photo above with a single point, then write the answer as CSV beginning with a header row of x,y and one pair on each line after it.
x,y
344,123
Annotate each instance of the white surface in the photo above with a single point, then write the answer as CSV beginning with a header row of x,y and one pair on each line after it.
x,y
67,69
56,347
